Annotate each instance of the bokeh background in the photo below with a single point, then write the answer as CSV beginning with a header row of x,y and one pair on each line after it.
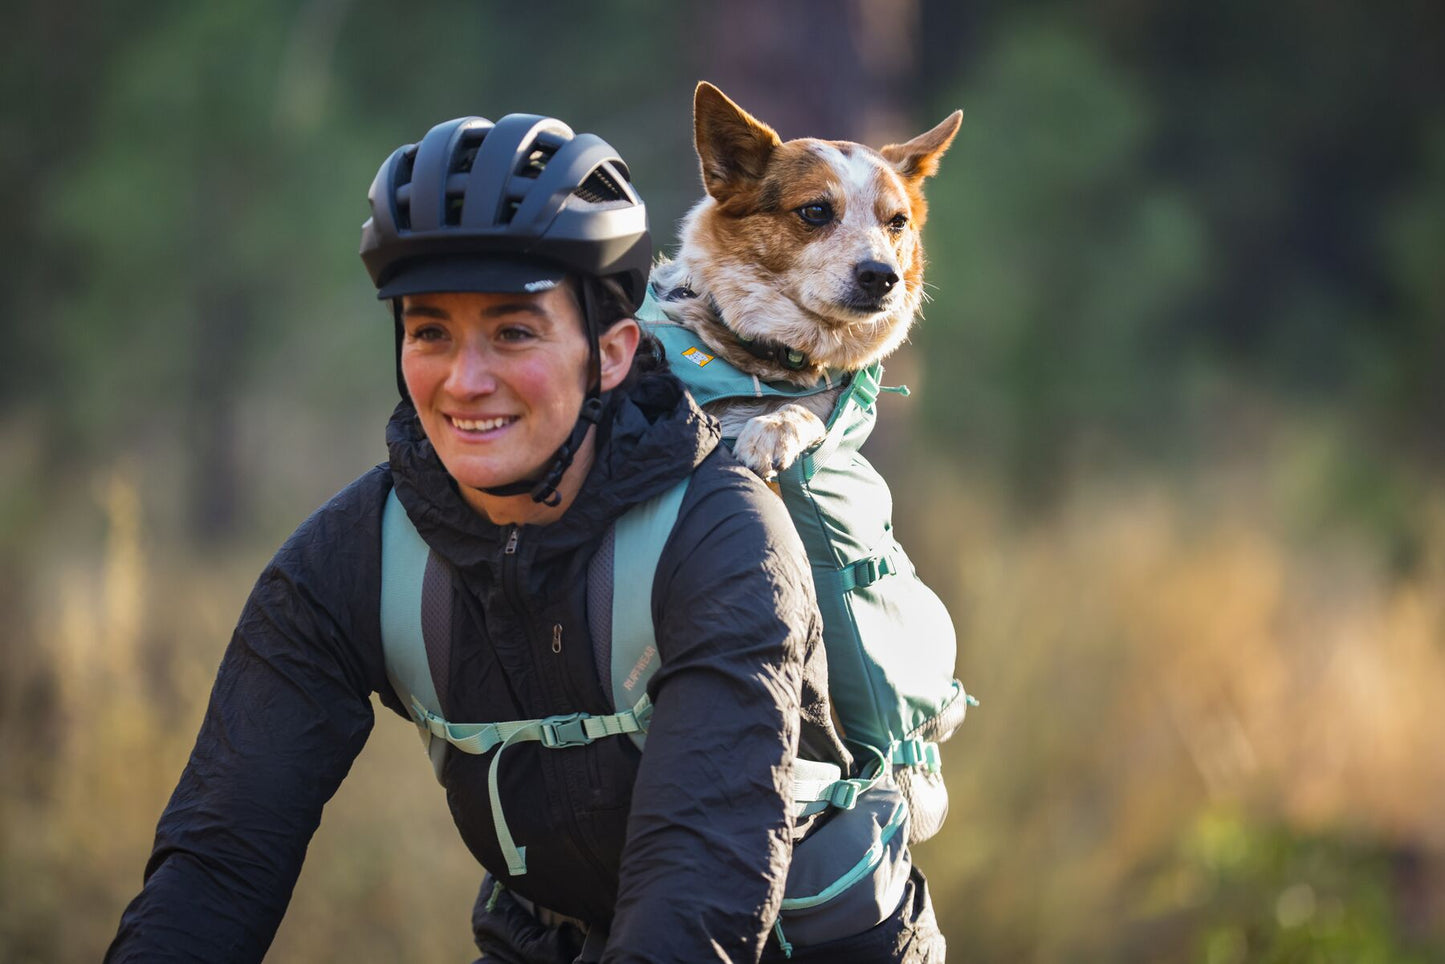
x,y
1173,455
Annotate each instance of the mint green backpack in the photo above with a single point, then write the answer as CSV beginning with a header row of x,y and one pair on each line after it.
x,y
890,641
850,872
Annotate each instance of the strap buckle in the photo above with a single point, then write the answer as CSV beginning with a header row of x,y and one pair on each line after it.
x,y
843,794
917,753
560,732
876,568
865,572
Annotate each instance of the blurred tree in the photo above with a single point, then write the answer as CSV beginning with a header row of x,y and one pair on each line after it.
x,y
1058,258
201,225
182,215
1165,196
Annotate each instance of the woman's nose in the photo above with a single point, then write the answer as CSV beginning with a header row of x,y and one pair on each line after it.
x,y
472,373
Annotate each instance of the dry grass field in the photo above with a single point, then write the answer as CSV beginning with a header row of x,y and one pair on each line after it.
x,y
1201,738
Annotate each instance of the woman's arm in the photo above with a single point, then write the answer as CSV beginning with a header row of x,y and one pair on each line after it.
x,y
708,838
289,711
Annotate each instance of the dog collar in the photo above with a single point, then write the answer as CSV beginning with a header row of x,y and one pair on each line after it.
x,y
774,351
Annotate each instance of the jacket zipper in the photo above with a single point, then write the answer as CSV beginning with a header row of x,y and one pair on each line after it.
x,y
563,808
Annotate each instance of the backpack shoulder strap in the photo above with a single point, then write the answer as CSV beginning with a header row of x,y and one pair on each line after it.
x,y
406,563
638,538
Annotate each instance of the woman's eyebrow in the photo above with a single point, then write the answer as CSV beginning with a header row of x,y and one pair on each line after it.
x,y
425,311
514,307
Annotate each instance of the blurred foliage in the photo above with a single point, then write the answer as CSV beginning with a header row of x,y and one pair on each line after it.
x,y
1176,468
1165,203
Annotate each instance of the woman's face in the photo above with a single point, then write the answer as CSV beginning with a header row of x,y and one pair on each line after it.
x,y
498,379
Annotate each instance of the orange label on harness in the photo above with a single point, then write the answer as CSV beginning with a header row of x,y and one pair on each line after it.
x,y
697,356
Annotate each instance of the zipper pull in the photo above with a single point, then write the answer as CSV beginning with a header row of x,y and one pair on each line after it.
x,y
556,637
511,547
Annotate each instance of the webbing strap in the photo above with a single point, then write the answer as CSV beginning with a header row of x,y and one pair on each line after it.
x,y
639,536
817,786
404,559
553,732
862,392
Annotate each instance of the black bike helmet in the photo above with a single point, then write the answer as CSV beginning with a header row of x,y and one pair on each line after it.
x,y
513,206
471,204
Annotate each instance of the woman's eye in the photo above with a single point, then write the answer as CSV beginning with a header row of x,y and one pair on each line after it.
x,y
428,333
816,214
898,223
514,333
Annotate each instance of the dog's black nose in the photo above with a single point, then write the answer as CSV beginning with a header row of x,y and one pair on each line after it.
x,y
875,278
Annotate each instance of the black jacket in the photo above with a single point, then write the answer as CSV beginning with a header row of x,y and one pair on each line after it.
x,y
682,852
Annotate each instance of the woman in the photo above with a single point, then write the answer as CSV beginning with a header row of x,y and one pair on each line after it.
x,y
513,255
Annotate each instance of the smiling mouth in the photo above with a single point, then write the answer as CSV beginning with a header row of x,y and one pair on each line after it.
x,y
481,424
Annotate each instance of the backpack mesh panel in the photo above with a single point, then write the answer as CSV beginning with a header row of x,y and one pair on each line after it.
x,y
436,624
599,611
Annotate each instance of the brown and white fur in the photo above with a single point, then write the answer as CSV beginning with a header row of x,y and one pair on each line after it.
x,y
809,244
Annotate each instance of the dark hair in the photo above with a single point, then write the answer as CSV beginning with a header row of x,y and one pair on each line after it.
x,y
611,304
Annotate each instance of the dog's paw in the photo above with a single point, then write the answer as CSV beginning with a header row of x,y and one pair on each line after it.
x,y
770,443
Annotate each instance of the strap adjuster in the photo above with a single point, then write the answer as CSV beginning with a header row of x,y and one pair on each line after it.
x,y
560,732
843,794
917,753
867,571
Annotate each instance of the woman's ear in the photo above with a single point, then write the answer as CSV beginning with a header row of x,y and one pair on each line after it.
x,y
615,348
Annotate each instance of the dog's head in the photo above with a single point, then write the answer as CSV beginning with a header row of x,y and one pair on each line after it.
x,y
811,243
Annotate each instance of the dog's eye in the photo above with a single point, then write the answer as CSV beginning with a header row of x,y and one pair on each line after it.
x,y
817,214
898,223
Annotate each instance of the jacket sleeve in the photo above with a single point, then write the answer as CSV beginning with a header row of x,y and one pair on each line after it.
x,y
708,839
288,713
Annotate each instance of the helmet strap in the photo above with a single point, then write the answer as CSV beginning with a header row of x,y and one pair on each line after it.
x,y
400,337
544,489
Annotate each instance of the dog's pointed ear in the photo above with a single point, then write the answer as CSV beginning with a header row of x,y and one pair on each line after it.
x,y
732,145
919,157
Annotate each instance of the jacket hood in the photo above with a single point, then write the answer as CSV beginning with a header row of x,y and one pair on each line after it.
x,y
650,437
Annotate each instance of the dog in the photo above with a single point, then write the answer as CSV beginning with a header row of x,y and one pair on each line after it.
x,y
804,257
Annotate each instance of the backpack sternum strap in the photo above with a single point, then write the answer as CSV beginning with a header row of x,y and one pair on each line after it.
x,y
553,732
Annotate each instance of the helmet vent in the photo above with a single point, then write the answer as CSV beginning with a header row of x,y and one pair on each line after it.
x,y
600,188
536,161
466,151
509,211
401,188
454,211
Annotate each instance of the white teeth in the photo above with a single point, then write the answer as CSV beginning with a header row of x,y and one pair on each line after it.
x,y
480,425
